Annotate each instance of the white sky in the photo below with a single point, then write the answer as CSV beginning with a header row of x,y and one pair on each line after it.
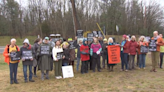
x,y
25,2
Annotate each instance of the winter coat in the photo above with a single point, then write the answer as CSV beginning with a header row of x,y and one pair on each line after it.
x,y
6,52
133,47
84,53
126,47
160,42
139,46
27,54
104,49
45,61
66,53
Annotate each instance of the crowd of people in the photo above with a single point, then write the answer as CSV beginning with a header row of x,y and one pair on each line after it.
x,y
44,55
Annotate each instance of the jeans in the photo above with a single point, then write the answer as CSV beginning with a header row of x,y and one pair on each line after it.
x,y
78,63
142,58
84,67
161,59
25,72
124,60
13,70
131,61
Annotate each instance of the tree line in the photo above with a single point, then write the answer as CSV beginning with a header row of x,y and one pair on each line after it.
x,y
43,17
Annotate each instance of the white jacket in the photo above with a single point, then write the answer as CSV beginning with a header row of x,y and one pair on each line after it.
x,y
56,50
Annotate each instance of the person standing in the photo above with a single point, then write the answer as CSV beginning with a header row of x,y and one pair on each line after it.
x,y
125,48
124,52
155,54
161,53
44,53
78,55
57,62
36,45
110,66
13,65
132,51
72,54
84,49
142,56
27,59
95,51
66,54
104,52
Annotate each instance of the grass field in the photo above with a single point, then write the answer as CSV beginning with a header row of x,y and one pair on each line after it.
x,y
6,40
131,81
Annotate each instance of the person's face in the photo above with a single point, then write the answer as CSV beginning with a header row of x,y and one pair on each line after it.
x,y
25,44
40,41
85,42
95,40
133,39
105,41
65,46
13,43
76,38
46,41
123,38
155,34
142,39
80,42
58,43
161,35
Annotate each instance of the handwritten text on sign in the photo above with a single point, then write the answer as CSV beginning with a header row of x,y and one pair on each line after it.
x,y
113,54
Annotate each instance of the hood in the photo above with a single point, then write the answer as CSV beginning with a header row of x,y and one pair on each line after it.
x,y
26,41
84,42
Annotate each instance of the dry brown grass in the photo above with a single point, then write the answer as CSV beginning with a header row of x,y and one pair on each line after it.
x,y
131,81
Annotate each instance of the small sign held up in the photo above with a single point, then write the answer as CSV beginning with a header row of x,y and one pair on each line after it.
x,y
15,56
67,71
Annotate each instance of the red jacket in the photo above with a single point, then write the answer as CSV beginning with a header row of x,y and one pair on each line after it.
x,y
84,57
133,47
6,52
126,47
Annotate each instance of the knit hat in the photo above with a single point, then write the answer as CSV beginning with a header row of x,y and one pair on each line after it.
x,y
105,40
69,39
26,41
124,36
46,38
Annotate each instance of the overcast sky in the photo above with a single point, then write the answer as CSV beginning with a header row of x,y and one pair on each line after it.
x,y
25,2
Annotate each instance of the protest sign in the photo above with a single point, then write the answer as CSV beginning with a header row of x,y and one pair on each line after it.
x,y
79,33
90,37
15,56
27,55
45,50
95,33
60,55
67,71
100,34
152,45
144,49
113,54
71,45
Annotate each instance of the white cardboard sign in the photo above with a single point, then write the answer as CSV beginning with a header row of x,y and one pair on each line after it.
x,y
67,71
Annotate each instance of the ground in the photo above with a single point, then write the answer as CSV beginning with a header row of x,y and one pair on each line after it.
x,y
131,81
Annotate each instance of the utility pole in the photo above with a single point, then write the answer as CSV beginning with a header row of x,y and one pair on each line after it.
x,y
75,19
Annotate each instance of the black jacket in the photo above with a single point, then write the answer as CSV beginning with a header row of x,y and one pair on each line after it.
x,y
27,54
66,53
